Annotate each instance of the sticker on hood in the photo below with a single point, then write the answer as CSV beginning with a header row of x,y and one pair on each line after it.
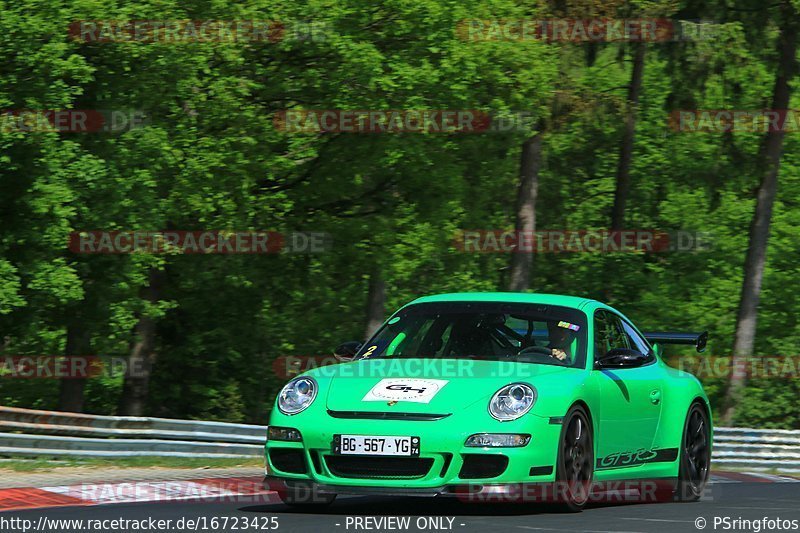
x,y
405,390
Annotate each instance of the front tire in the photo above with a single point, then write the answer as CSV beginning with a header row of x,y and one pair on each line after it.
x,y
575,464
695,456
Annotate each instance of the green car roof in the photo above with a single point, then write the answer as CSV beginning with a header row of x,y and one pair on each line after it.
x,y
512,297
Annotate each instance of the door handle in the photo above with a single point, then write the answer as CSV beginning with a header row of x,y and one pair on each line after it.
x,y
655,397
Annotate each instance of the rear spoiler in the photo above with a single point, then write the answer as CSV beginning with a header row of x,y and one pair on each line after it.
x,y
699,340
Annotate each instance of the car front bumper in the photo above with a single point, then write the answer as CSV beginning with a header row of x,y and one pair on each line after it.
x,y
447,461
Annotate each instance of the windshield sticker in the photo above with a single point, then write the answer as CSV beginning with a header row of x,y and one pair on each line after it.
x,y
405,390
369,351
372,349
573,327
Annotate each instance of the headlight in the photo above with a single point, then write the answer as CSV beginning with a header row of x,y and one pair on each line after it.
x,y
512,401
297,395
497,440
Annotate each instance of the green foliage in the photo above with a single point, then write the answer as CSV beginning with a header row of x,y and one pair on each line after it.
x,y
211,157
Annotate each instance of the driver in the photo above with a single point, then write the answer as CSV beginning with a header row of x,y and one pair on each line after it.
x,y
560,341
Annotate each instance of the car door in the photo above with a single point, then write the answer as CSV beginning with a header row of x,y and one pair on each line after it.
x,y
630,398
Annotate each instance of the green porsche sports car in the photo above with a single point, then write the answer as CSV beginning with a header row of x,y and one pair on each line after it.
x,y
482,395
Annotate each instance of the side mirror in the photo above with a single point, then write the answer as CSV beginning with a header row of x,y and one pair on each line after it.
x,y
347,351
621,358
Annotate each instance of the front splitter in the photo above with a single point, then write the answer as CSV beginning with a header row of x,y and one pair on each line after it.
x,y
652,490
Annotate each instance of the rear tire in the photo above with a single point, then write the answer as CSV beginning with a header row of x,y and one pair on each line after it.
x,y
695,455
575,463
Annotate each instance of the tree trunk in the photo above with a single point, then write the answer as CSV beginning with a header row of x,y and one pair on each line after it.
x,y
530,163
772,149
70,397
626,149
140,363
376,303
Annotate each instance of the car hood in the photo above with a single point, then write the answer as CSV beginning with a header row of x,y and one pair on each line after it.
x,y
432,386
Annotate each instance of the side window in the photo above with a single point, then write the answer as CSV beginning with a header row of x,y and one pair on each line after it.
x,y
611,331
635,341
600,342
608,333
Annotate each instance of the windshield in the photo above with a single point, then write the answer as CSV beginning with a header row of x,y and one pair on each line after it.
x,y
527,333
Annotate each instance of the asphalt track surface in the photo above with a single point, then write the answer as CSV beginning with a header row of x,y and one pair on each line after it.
x,y
742,500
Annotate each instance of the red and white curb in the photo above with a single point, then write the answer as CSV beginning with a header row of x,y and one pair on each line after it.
x,y
236,490
229,489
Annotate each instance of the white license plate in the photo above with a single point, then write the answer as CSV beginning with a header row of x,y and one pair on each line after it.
x,y
376,445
